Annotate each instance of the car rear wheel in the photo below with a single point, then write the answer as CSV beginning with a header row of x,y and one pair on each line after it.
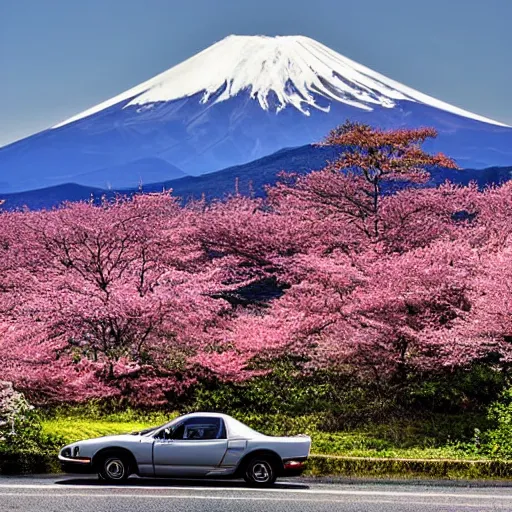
x,y
114,468
260,472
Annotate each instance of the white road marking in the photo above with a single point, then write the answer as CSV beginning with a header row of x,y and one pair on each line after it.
x,y
234,498
334,492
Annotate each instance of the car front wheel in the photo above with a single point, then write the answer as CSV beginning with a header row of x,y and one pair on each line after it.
x,y
260,472
114,468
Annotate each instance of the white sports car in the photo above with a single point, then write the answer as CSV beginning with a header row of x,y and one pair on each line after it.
x,y
194,445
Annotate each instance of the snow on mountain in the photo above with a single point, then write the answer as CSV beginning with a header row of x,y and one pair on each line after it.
x,y
295,68
240,99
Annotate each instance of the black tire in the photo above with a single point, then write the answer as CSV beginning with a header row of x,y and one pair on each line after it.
x,y
114,468
260,472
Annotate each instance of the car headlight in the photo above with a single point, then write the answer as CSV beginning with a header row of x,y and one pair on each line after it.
x,y
66,452
76,451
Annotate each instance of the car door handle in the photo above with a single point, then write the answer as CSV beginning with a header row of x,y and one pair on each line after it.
x,y
237,444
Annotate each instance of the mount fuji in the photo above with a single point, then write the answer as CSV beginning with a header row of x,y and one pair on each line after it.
x,y
238,100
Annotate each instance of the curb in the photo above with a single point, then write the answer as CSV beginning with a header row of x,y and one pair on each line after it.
x,y
329,465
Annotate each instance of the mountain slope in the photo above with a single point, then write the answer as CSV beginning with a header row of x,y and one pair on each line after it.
x,y
240,99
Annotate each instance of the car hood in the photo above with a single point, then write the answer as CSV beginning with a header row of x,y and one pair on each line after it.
x,y
121,440
124,438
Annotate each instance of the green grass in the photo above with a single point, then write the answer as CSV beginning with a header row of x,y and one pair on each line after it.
x,y
74,430
365,444
74,427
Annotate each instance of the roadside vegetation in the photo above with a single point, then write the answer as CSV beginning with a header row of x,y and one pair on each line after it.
x,y
343,419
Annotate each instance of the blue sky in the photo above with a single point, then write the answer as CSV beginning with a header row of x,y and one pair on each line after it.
x,y
59,57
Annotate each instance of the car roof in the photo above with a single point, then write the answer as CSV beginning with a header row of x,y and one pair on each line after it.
x,y
206,414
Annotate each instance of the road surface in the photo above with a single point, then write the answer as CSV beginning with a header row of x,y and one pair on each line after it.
x,y
70,494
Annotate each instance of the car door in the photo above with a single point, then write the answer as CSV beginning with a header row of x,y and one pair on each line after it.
x,y
192,448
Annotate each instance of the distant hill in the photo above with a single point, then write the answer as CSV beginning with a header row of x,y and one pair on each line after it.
x,y
49,197
149,170
250,178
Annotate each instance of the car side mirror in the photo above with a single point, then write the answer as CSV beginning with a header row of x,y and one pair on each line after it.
x,y
165,433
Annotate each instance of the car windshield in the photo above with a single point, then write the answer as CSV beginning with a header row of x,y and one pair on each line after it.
x,y
145,431
150,430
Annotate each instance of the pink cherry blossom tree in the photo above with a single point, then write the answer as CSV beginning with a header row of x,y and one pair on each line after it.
x,y
119,296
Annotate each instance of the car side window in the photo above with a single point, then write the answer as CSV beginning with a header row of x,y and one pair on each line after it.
x,y
200,428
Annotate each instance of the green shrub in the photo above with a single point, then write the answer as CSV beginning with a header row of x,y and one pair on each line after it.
x,y
20,425
15,462
347,402
497,441
283,392
464,389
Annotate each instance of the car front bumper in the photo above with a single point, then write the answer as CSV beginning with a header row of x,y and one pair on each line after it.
x,y
82,465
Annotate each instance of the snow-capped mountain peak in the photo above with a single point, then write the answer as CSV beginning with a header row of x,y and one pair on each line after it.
x,y
278,72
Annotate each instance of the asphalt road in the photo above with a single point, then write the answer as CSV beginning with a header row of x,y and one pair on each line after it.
x,y
64,494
